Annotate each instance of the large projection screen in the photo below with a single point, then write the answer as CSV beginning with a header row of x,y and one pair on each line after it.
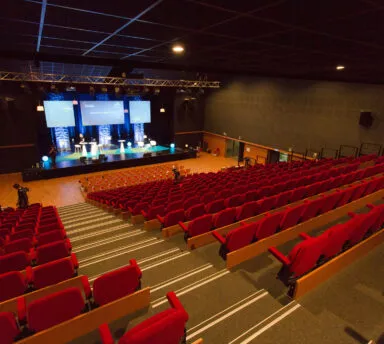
x,y
140,111
102,112
59,113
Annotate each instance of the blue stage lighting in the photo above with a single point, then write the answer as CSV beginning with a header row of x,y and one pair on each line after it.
x,y
172,145
129,144
44,158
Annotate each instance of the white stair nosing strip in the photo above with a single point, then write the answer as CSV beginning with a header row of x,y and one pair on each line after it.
x,y
165,261
94,226
139,262
103,231
271,324
106,241
194,286
69,206
227,309
263,321
70,222
115,250
227,315
80,213
76,210
120,254
182,277
95,219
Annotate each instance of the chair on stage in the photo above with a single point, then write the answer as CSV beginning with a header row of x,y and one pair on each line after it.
x,y
77,148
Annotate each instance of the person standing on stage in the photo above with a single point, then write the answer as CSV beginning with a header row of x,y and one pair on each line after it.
x,y
22,197
53,153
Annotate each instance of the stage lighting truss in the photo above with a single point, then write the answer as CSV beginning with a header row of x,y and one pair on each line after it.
x,y
100,80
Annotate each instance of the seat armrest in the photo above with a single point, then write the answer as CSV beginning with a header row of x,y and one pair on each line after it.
x,y
304,236
29,275
278,255
32,255
352,214
64,233
133,262
219,237
130,209
161,219
74,261
183,226
21,310
68,244
105,334
86,287
370,206
174,301
144,213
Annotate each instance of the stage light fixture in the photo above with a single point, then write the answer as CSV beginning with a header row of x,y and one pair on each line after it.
x,y
91,90
75,102
153,143
162,109
44,158
340,67
40,107
186,145
145,137
104,89
172,145
129,144
178,49
156,91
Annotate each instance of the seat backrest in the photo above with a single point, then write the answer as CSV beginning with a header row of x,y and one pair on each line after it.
x,y
24,234
50,252
297,194
12,284
360,225
305,255
330,201
265,204
116,284
312,189
359,191
282,199
24,245
312,208
215,206
173,217
200,225
268,225
54,309
8,328
234,201
224,217
240,237
335,238
49,227
159,201
15,261
190,202
291,216
4,232
52,273
251,195
195,211
246,210
345,197
378,224
371,186
224,193
208,197
175,206
49,237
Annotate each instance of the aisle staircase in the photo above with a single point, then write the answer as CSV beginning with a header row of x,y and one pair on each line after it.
x,y
223,306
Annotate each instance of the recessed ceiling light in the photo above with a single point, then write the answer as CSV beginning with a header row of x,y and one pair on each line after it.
x,y
339,67
178,49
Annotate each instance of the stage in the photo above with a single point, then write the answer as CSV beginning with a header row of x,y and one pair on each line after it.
x,y
69,164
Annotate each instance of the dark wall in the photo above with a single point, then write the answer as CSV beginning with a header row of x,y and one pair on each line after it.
x,y
299,114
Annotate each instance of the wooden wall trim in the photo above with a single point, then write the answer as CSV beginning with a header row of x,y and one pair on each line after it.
x,y
313,279
189,132
18,146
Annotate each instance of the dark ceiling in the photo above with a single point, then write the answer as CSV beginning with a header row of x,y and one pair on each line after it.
x,y
285,38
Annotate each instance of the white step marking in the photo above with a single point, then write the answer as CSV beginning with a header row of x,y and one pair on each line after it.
x,y
227,315
103,231
95,219
84,229
94,216
165,261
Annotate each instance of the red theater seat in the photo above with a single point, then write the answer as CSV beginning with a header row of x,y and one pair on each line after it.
x,y
195,211
215,206
175,206
234,201
282,199
268,225
12,284
360,225
335,237
24,234
172,218
312,208
9,331
136,210
190,202
345,197
246,210
224,217
208,197
117,284
49,237
14,262
330,202
53,309
200,225
50,252
167,327
153,211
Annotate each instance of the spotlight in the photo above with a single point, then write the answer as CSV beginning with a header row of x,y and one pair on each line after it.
x,y
172,145
40,107
145,137
178,49
129,144
152,143
117,89
186,145
91,90
162,109
156,91
104,89
75,102
340,67
44,158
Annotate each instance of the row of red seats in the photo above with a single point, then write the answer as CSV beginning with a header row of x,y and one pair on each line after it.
x,y
314,251
291,216
41,314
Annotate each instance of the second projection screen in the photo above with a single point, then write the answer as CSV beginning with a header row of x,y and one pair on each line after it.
x,y
98,112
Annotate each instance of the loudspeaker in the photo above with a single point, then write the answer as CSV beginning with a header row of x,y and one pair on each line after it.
x,y
366,119
147,155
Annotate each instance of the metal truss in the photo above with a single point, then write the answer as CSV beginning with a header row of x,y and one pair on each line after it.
x,y
101,80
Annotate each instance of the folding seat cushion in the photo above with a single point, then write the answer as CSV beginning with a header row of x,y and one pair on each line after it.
x,y
191,202
53,272
312,208
297,194
49,237
358,191
345,197
117,284
330,202
291,216
265,204
282,199
167,327
208,197
234,201
153,211
199,225
15,261
12,284
53,309
237,238
195,211
175,206
8,328
268,225
215,206
24,245
302,258
246,210
335,239
28,234
50,252
172,218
